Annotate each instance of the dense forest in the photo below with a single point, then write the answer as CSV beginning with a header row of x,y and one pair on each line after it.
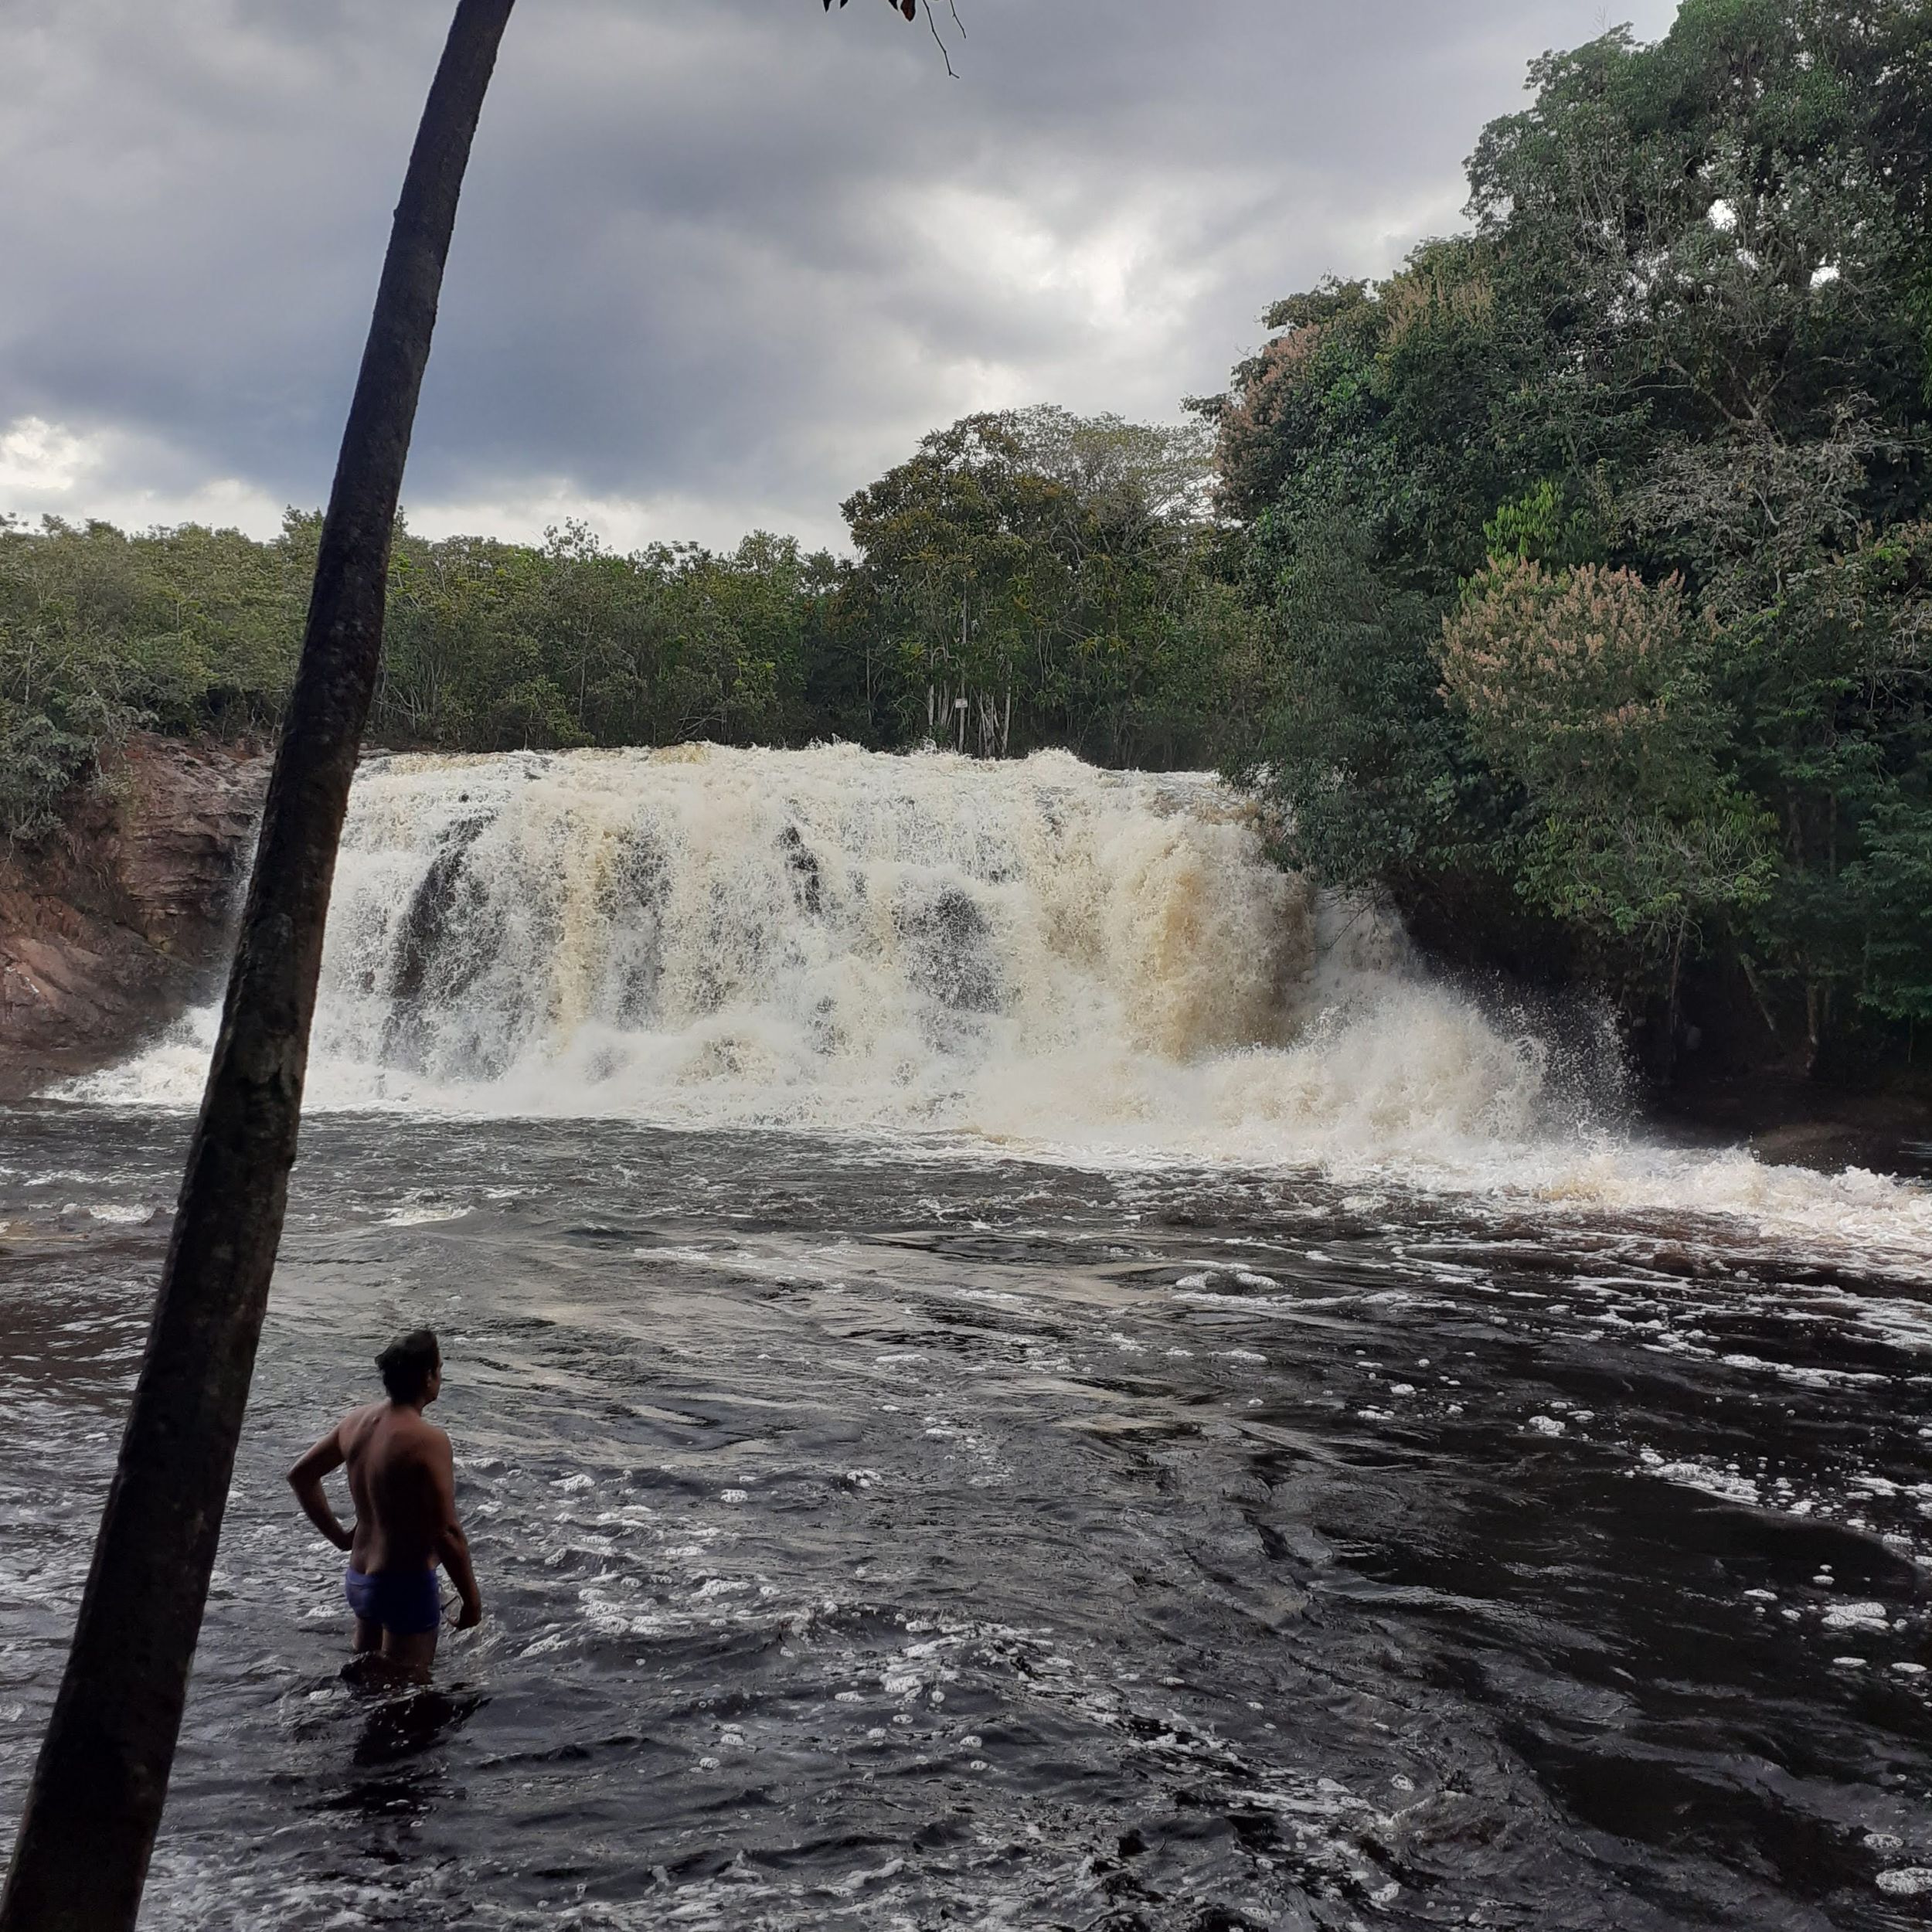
x,y
1594,542
1023,579
1572,587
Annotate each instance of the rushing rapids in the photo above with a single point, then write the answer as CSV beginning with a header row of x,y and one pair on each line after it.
x,y
1037,956
823,937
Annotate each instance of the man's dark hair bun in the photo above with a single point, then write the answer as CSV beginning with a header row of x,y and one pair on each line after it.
x,y
408,1363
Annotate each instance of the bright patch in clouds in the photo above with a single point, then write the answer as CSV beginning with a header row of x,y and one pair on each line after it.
x,y
622,524
39,461
48,470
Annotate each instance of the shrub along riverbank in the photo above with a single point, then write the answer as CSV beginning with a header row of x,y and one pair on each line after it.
x,y
1572,586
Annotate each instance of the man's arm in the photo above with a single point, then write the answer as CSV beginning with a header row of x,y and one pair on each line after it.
x,y
306,1480
452,1547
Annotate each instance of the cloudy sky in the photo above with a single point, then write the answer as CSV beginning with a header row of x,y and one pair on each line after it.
x,y
719,262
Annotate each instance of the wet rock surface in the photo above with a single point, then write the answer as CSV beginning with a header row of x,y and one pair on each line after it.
x,y
1886,1128
111,925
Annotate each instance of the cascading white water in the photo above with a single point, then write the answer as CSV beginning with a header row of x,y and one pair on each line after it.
x,y
837,938
1036,953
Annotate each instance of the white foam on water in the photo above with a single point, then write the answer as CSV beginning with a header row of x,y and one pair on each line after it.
x,y
1906,1881
417,1213
115,1213
1033,956
1863,1617
1704,1473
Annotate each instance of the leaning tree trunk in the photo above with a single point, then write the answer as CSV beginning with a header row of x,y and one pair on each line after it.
x,y
96,1801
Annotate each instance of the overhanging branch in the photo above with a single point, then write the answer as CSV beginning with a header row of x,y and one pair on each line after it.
x,y
910,9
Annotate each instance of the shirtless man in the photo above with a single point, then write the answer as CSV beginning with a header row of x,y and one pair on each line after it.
x,y
403,1486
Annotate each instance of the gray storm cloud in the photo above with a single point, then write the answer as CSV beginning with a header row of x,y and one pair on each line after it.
x,y
717,264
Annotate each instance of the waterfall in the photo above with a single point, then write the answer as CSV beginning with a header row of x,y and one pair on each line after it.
x,y
839,939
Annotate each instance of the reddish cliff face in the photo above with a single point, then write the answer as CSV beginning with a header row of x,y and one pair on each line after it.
x,y
111,924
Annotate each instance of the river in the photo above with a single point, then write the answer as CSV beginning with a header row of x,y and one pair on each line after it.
x,y
1009,1367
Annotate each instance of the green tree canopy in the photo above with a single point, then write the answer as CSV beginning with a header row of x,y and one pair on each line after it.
x,y
1675,377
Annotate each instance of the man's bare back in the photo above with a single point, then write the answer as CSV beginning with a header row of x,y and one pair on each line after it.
x,y
398,1468
402,1481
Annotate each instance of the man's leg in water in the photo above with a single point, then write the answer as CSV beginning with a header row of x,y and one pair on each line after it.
x,y
410,1654
398,1617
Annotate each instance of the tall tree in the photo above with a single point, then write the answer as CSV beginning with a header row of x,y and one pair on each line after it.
x,y
94,1806
1044,578
96,1801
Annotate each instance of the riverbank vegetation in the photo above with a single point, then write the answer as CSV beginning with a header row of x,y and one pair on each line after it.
x,y
1572,586
1021,581
1595,543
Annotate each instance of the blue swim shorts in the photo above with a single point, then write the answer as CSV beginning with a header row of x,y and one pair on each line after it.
x,y
405,1602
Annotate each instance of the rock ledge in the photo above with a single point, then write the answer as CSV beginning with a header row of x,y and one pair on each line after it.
x,y
111,924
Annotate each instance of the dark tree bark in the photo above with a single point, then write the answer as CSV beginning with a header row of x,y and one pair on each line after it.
x,y
96,1801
